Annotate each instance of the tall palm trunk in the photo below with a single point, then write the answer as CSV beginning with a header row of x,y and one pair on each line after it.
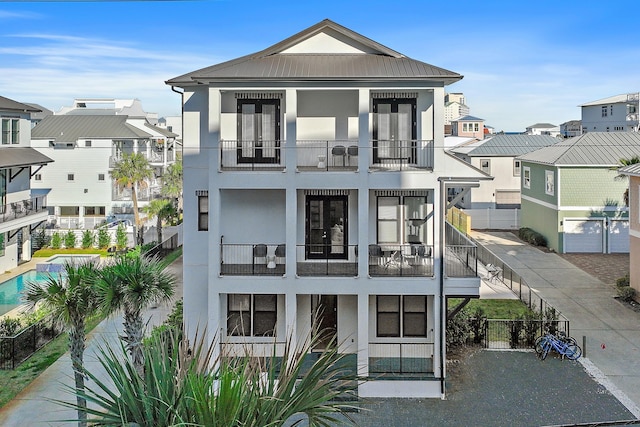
x,y
136,216
76,349
133,334
159,228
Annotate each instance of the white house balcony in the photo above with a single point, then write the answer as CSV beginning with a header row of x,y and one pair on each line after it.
x,y
18,211
411,260
326,155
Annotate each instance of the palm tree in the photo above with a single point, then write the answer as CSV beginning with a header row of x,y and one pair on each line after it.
x,y
133,171
172,181
184,385
162,209
71,298
130,285
623,163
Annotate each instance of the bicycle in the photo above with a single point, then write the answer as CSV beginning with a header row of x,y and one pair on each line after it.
x,y
561,344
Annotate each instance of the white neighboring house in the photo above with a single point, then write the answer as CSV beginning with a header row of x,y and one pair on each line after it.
x,y
617,113
496,156
85,148
543,129
21,209
314,178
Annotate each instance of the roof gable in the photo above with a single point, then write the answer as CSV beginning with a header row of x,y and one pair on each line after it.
x,y
7,104
325,51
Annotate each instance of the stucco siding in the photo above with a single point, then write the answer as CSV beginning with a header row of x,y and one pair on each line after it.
x,y
634,267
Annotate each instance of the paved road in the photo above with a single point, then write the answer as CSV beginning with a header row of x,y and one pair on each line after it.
x,y
611,329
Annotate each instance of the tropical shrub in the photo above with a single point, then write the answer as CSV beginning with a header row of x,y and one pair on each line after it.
x,y
104,239
532,236
88,239
478,323
9,326
623,281
121,236
70,239
531,326
56,240
458,329
516,326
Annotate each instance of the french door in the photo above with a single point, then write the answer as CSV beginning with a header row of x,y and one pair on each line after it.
x,y
325,308
258,130
394,129
326,227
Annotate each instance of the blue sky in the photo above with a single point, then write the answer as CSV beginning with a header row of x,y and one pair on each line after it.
x,y
523,62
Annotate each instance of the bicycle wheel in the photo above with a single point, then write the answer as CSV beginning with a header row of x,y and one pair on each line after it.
x,y
539,344
573,351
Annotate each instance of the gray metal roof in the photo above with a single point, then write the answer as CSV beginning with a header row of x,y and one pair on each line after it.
x,y
609,100
21,156
512,145
468,119
541,126
633,170
161,131
7,104
66,128
379,62
590,149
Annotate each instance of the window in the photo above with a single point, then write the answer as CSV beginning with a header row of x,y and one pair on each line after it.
x,y
87,143
2,244
485,166
464,127
100,177
70,177
476,128
38,177
203,213
401,219
604,111
526,178
404,316
252,315
516,167
94,211
10,131
611,110
394,129
69,210
549,182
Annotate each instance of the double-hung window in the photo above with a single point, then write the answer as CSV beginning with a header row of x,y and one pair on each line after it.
x,y
401,316
10,131
526,177
485,166
549,183
203,211
252,315
516,167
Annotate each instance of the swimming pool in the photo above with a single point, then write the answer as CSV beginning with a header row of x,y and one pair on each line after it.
x,y
11,290
56,263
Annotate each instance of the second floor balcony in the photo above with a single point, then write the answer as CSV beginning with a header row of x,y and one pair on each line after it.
x,y
326,155
22,208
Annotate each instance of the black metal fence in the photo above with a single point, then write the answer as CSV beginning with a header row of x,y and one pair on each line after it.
x,y
16,349
513,333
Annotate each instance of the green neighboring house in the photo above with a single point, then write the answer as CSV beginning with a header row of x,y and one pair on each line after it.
x,y
572,193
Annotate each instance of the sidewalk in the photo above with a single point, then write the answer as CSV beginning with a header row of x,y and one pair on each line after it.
x,y
611,330
32,408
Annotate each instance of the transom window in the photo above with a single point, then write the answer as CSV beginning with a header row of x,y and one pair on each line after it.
x,y
252,315
401,316
10,131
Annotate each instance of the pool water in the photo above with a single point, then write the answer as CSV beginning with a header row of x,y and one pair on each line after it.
x,y
11,290
57,263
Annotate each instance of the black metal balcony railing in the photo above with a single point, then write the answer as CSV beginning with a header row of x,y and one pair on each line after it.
x,y
252,260
251,155
22,208
460,254
400,358
326,155
327,260
411,260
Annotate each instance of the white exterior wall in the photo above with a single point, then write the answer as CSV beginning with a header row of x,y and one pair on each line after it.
x,y
592,120
502,171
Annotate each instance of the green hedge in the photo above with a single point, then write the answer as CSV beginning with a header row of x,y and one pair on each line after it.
x,y
532,236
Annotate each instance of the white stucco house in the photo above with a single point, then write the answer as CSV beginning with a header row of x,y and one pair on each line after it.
x,y
314,179
21,210
85,144
543,129
618,113
497,156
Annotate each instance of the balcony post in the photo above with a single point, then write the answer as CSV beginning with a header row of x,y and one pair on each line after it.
x,y
291,132
364,148
363,335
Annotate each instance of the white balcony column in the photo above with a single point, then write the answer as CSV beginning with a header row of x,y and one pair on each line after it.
x,y
216,330
291,315
364,132
211,145
363,335
437,129
291,218
291,118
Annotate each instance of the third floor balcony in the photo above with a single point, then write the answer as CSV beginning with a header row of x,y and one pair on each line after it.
x,y
326,155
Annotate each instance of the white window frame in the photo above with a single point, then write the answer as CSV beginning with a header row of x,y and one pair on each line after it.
x,y
549,182
486,169
517,167
9,131
526,177
203,212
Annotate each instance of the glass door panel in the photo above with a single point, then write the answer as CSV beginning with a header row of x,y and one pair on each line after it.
x,y
326,225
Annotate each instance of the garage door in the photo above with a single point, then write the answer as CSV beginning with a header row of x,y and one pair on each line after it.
x,y
583,236
619,236
507,199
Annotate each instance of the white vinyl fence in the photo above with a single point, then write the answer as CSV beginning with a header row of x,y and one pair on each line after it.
x,y
494,219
